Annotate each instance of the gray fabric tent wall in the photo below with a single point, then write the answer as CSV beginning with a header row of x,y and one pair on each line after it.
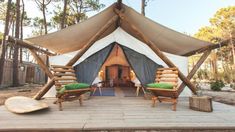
x,y
87,70
144,68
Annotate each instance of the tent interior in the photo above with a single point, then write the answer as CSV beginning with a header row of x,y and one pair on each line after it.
x,y
112,73
116,69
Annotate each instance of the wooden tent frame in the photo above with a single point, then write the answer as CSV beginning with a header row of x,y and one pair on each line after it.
x,y
120,16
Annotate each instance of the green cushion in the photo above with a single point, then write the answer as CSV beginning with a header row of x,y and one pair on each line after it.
x,y
160,85
73,86
61,90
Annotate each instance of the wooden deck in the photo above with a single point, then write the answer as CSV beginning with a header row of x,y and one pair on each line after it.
x,y
120,113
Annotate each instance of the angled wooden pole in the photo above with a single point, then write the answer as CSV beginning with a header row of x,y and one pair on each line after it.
x,y
92,40
41,63
157,51
44,90
195,68
28,45
210,47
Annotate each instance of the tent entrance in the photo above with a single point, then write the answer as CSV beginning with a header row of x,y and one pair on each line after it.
x,y
118,75
117,66
116,69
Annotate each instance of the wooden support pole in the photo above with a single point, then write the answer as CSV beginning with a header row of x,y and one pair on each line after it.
x,y
156,50
119,7
28,45
92,40
44,90
195,68
210,47
41,63
45,69
119,4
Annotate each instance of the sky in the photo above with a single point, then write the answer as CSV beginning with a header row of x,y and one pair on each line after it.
x,y
185,16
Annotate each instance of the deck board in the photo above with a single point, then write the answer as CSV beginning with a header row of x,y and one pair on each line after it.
x,y
119,113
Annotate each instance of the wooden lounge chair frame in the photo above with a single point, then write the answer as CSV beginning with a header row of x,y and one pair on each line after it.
x,y
66,75
166,75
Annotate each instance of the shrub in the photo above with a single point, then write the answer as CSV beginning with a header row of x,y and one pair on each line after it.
x,y
217,85
232,85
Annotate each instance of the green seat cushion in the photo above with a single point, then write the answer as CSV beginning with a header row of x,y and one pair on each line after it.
x,y
160,85
73,86
61,91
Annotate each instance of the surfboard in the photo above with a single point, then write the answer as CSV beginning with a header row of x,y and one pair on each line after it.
x,y
21,104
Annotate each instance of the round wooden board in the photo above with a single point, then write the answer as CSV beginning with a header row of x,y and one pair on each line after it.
x,y
21,104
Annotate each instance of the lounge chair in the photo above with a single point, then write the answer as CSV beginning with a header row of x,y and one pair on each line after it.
x,y
64,76
167,77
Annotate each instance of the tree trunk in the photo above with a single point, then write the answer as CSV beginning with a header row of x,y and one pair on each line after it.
x,y
143,4
63,20
233,50
21,31
6,31
16,48
79,10
45,29
13,28
44,16
214,65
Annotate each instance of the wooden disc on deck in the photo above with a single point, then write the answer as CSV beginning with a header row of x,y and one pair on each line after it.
x,y
21,104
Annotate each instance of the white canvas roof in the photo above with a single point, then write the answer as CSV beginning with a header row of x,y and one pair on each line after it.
x,y
123,38
75,37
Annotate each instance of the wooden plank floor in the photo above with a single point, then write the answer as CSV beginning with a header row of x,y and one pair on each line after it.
x,y
120,113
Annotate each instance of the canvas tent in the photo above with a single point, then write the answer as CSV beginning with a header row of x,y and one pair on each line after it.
x,y
75,37
126,27
131,46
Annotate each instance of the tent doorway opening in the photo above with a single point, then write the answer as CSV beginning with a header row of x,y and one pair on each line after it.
x,y
117,66
117,71
117,74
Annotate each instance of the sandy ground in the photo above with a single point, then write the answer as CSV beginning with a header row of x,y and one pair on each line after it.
x,y
223,97
26,90
226,96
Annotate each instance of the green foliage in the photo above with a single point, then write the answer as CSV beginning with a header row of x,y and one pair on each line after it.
x,y
76,11
210,34
217,85
224,20
222,28
202,74
1,35
232,85
38,26
3,9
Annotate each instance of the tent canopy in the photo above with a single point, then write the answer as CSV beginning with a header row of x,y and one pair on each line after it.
x,y
75,37
133,50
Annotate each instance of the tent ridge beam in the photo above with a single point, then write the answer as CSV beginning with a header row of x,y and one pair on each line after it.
x,y
92,40
210,47
157,51
26,44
